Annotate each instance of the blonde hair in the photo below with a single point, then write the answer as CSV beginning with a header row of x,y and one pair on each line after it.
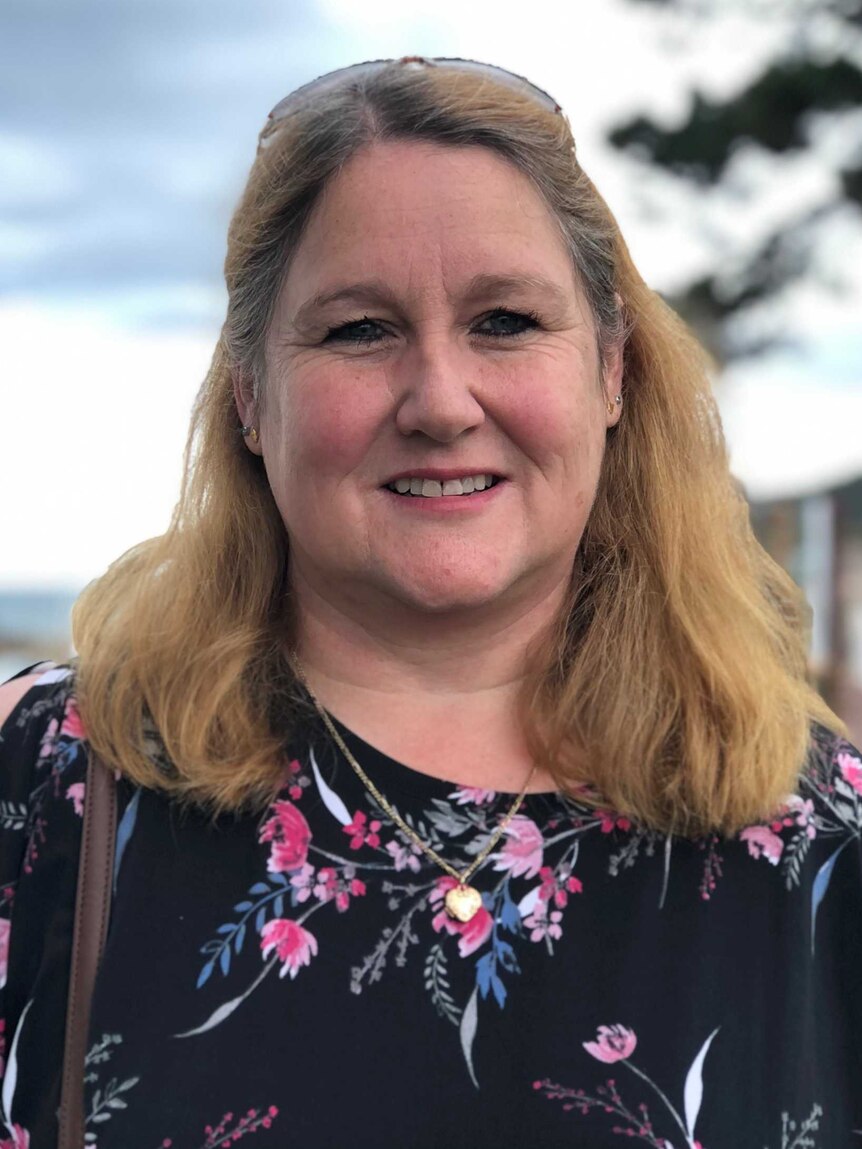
x,y
675,685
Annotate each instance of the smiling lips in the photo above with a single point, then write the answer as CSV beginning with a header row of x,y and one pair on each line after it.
x,y
429,488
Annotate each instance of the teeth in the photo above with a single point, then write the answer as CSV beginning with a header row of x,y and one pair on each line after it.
x,y
433,489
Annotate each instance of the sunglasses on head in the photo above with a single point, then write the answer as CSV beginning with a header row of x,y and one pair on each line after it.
x,y
335,79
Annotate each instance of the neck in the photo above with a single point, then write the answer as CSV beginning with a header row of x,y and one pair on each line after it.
x,y
437,692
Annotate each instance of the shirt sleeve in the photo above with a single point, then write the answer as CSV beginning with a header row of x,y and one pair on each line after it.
x,y
43,764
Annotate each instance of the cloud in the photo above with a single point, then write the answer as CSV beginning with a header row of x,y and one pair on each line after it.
x,y
126,132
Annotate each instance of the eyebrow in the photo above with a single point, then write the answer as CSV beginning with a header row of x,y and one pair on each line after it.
x,y
487,286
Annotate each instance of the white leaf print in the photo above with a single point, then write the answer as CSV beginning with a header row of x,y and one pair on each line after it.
x,y
469,1022
11,1077
330,799
693,1094
668,843
528,903
215,1018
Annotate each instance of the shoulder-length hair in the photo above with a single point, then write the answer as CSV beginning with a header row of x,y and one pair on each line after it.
x,y
674,686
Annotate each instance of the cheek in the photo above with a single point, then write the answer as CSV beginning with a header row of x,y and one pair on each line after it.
x,y
325,428
560,428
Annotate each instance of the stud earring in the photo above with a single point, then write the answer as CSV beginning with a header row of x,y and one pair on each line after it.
x,y
246,431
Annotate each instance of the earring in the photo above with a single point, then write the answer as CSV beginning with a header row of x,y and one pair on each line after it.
x,y
246,431
610,406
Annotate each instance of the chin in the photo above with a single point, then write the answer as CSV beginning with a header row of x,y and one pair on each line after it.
x,y
444,594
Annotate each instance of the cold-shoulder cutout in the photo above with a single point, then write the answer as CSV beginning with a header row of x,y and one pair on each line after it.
x,y
13,691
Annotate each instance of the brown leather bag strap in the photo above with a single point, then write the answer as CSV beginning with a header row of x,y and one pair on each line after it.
x,y
92,908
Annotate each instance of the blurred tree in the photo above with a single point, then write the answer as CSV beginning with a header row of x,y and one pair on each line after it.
x,y
805,104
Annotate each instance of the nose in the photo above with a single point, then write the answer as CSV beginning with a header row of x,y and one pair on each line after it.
x,y
436,395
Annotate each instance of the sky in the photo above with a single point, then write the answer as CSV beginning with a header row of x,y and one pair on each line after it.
x,y
126,132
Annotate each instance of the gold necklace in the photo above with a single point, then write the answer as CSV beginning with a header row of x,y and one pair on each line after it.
x,y
462,901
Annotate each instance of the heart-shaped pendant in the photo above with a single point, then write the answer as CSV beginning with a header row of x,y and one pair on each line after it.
x,y
462,902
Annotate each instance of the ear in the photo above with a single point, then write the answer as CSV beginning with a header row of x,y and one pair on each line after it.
x,y
612,379
246,406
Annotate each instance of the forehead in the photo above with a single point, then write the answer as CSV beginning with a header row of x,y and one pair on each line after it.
x,y
428,215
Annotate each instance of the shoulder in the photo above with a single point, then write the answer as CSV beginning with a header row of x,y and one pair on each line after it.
x,y
832,763
830,784
13,691
36,708
44,682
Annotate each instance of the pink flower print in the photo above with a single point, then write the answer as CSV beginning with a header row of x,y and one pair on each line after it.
x,y
405,858
46,746
558,888
851,770
295,790
474,933
762,843
324,887
72,726
541,925
613,1043
801,811
359,835
302,881
611,820
293,944
5,926
289,833
474,795
20,1139
356,888
76,793
329,885
522,851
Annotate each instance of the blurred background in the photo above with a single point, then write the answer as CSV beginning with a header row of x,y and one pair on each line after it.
x,y
725,134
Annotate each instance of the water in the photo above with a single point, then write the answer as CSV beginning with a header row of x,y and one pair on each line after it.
x,y
34,625
32,614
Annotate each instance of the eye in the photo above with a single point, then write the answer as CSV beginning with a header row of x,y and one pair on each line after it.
x,y
360,331
504,324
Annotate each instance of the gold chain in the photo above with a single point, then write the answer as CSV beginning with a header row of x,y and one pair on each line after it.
x,y
465,875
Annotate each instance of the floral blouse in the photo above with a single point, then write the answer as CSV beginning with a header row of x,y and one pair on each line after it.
x,y
294,979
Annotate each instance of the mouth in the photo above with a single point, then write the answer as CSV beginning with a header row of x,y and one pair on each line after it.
x,y
419,487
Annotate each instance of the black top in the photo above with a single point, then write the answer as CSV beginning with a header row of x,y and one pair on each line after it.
x,y
294,976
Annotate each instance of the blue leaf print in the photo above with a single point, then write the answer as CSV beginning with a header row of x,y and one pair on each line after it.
x,y
225,929
203,976
278,906
483,973
506,956
242,907
124,833
224,960
821,885
260,919
499,990
259,888
279,879
510,915
239,939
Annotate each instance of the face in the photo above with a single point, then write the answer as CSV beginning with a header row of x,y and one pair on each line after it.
x,y
430,330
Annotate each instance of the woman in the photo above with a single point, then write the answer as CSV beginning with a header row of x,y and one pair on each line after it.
x,y
472,790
